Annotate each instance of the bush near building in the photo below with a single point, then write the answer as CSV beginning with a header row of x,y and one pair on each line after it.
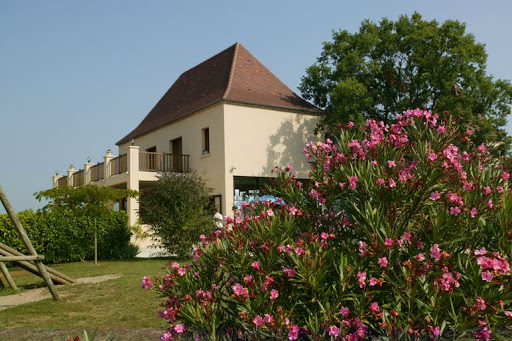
x,y
176,209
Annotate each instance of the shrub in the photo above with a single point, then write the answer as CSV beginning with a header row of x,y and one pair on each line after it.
x,y
404,232
65,236
176,210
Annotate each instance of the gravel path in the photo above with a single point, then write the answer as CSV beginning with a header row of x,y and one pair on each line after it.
x,y
39,294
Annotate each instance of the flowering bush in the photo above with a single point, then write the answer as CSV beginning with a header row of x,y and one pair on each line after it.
x,y
403,232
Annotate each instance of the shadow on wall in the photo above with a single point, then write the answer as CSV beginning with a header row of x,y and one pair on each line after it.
x,y
287,143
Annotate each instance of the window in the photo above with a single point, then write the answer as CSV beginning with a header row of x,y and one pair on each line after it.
x,y
206,141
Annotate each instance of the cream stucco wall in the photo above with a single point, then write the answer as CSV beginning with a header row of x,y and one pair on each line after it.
x,y
257,139
210,167
244,141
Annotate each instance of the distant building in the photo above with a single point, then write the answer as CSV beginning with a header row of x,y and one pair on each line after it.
x,y
229,118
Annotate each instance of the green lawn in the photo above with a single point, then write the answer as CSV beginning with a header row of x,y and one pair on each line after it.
x,y
119,306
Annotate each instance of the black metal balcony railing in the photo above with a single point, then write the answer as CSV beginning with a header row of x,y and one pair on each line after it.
x,y
97,172
160,162
118,165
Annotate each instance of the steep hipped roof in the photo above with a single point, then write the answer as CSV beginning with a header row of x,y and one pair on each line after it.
x,y
233,75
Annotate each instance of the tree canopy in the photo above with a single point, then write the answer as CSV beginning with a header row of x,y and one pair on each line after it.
x,y
90,200
176,208
389,67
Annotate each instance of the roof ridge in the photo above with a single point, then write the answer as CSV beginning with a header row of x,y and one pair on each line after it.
x,y
230,81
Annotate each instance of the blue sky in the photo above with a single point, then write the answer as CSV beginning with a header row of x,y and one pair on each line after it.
x,y
76,76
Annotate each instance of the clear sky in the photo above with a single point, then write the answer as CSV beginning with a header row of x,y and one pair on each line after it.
x,y
77,76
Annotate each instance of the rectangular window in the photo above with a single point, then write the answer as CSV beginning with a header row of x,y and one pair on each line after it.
x,y
206,141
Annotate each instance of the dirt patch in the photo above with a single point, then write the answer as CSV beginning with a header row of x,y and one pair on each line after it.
x,y
40,294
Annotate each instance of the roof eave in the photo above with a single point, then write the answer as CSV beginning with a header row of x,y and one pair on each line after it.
x,y
314,112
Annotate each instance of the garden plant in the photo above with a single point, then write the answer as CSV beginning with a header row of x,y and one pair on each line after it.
x,y
404,232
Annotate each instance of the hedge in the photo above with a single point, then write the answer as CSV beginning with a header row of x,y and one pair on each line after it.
x,y
67,236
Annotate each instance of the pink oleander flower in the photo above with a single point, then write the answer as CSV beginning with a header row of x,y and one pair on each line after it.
x,y
435,196
372,281
487,190
270,213
268,318
481,148
487,276
420,257
505,176
179,328
383,262
290,273
344,311
484,334
473,212
432,156
182,272
481,252
256,265
508,314
288,168
293,210
334,331
274,294
407,236
388,242
324,235
165,337
436,331
374,307
299,251
391,183
391,164
499,189
469,132
146,283
258,320
481,306
435,252
441,129
455,211
350,124
248,279
239,290
380,182
352,182
361,278
293,332
362,248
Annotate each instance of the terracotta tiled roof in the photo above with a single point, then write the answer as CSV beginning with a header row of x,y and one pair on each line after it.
x,y
233,75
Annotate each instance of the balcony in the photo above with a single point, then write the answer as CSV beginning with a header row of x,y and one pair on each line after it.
x,y
115,170
162,162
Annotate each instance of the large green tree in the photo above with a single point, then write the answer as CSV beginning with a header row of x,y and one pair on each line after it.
x,y
389,67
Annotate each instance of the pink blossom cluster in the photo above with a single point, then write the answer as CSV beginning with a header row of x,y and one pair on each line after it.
x,y
492,266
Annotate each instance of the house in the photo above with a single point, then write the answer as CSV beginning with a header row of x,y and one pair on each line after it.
x,y
228,118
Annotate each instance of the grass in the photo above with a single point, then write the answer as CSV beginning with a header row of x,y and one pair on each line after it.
x,y
118,307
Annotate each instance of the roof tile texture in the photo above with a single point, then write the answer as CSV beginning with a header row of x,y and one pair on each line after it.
x,y
233,75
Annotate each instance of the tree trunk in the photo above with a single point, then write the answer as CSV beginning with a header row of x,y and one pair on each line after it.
x,y
95,243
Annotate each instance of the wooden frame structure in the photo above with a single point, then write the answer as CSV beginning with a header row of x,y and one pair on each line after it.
x,y
33,262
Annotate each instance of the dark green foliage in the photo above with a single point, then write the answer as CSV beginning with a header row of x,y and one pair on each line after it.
x,y
409,63
176,210
90,201
65,236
